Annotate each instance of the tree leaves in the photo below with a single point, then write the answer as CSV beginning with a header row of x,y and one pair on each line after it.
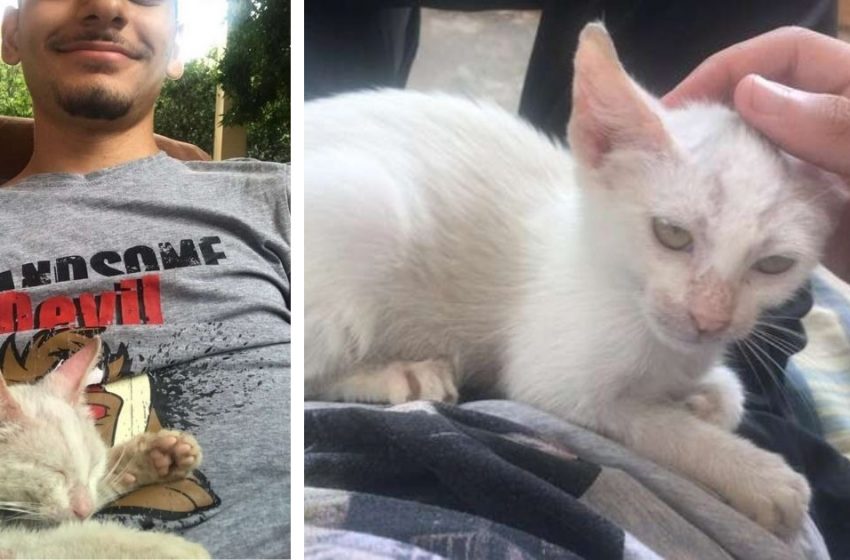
x,y
15,100
255,73
185,109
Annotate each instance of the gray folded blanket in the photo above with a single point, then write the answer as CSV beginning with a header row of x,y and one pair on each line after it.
x,y
497,479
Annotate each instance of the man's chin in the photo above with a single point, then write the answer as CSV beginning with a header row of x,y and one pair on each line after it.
x,y
94,104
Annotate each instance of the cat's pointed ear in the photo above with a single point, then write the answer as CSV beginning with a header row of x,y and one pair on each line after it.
x,y
610,111
9,407
68,381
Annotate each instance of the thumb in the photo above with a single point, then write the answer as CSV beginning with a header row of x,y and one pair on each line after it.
x,y
814,127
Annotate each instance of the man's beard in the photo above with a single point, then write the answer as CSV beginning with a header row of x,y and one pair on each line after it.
x,y
94,103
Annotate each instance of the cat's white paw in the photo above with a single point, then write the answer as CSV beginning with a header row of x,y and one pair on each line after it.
x,y
773,494
161,456
173,454
719,399
397,382
428,380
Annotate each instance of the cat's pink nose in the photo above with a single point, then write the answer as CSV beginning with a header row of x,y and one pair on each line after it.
x,y
712,303
81,505
82,511
710,324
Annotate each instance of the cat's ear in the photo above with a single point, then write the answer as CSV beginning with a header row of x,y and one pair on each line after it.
x,y
68,381
610,111
9,407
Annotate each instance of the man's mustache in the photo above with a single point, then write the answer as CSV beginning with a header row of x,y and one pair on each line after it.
x,y
63,43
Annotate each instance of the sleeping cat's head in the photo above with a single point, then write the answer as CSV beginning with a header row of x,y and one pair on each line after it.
x,y
51,456
711,223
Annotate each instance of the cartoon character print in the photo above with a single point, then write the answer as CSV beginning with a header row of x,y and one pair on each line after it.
x,y
120,401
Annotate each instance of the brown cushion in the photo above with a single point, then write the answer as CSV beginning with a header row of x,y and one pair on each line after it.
x,y
16,147
181,150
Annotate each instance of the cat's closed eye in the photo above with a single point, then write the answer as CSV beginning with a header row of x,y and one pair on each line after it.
x,y
53,470
671,235
774,264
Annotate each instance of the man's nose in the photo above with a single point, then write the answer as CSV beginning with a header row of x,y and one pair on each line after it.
x,y
112,13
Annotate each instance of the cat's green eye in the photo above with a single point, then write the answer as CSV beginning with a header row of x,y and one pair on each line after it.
x,y
776,264
672,236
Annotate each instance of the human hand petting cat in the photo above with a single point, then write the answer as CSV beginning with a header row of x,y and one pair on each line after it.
x,y
793,85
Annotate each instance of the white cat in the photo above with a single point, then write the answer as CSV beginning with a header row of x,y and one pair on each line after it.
x,y
55,471
448,245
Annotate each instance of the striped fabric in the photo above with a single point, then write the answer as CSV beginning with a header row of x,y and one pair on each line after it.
x,y
821,372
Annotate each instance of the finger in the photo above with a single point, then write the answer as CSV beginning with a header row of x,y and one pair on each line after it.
x,y
814,127
791,55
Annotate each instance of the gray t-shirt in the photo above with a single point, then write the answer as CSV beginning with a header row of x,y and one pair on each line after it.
x,y
183,269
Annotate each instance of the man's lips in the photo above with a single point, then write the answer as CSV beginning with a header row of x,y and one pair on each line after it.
x,y
96,47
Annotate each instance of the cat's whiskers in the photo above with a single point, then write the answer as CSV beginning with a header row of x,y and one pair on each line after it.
x,y
775,343
116,478
21,508
116,463
745,349
757,354
783,392
18,507
785,346
780,328
24,517
782,345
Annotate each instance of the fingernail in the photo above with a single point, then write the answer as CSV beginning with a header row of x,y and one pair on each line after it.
x,y
768,98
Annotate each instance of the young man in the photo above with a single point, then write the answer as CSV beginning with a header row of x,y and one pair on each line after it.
x,y
181,268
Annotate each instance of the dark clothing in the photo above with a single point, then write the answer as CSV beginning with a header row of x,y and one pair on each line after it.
x,y
372,43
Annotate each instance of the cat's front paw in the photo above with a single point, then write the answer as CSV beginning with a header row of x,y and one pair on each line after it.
x,y
397,382
773,494
162,456
173,454
719,399
428,380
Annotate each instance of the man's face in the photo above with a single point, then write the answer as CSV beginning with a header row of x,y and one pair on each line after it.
x,y
95,59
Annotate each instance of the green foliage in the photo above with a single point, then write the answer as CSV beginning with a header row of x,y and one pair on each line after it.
x,y
14,98
254,73
185,109
268,136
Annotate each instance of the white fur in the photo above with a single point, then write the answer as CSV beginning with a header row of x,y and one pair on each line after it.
x,y
55,468
93,539
441,228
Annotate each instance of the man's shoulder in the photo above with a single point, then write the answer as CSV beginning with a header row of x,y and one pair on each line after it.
x,y
265,181
243,168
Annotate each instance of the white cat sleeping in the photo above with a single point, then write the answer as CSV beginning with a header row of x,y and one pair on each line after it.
x,y
449,245
55,471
